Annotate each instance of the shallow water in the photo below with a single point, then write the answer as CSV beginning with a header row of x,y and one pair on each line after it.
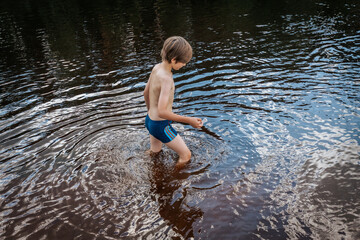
x,y
277,84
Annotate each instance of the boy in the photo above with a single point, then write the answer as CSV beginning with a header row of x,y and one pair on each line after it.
x,y
159,97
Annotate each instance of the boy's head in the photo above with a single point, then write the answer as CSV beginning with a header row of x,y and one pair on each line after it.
x,y
176,48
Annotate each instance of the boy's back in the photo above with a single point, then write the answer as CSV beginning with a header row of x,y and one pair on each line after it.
x,y
158,78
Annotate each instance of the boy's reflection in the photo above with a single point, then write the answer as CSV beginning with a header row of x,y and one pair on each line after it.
x,y
170,194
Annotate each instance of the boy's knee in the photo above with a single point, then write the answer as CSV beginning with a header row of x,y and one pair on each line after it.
x,y
184,158
187,155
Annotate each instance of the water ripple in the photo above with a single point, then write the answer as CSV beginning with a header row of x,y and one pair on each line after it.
x,y
277,156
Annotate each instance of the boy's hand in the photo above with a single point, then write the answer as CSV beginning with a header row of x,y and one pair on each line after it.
x,y
195,122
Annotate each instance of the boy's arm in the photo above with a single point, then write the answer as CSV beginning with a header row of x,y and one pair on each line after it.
x,y
146,95
169,115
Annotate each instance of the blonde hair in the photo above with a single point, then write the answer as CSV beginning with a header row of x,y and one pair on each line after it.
x,y
178,48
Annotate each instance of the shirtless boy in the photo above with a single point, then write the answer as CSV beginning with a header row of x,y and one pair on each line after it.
x,y
159,97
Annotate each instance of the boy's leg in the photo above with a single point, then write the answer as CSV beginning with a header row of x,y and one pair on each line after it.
x,y
155,144
179,146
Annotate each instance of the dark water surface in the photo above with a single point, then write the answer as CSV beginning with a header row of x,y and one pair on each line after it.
x,y
277,83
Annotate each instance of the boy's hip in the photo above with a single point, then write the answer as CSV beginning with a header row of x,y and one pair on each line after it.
x,y
161,130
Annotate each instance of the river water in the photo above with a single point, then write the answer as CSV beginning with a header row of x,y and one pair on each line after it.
x,y
276,82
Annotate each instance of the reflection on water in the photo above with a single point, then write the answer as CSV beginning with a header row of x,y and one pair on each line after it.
x,y
277,84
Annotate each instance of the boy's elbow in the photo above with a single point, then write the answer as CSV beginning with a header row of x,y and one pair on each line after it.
x,y
162,113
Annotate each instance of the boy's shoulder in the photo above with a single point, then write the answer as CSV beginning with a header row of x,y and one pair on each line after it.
x,y
160,74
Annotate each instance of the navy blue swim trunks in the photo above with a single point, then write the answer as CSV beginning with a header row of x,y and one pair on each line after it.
x,y
161,130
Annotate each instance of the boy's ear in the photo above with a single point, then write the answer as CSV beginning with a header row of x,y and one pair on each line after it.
x,y
173,61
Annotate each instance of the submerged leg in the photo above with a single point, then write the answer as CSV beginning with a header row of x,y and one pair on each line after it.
x,y
179,146
155,145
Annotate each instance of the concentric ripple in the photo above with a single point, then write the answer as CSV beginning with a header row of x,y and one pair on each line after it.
x,y
277,87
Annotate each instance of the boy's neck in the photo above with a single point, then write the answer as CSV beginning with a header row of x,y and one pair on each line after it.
x,y
167,66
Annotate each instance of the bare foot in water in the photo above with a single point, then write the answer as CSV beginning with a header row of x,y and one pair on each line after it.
x,y
181,164
151,153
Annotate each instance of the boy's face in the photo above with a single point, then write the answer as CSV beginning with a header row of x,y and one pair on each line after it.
x,y
177,65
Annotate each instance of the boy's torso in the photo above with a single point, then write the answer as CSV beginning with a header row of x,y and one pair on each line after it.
x,y
155,89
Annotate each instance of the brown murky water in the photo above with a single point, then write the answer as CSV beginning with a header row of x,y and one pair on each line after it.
x,y
277,83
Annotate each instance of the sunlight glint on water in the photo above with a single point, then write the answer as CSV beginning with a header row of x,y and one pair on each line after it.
x,y
277,86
